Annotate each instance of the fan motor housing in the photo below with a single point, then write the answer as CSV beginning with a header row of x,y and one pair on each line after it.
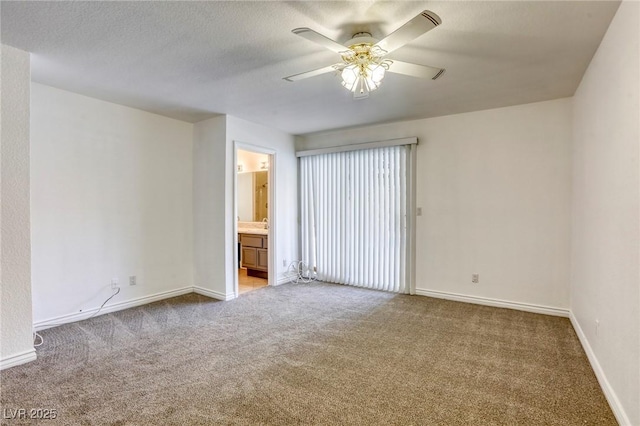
x,y
361,38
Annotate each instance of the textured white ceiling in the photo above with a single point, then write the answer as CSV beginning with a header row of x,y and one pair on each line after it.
x,y
194,60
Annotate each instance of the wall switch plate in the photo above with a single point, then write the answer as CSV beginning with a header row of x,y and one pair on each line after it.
x,y
132,280
597,327
114,283
475,278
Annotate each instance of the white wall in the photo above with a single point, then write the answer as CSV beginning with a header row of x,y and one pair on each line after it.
x,y
284,223
209,174
245,197
214,217
605,282
16,341
494,187
111,197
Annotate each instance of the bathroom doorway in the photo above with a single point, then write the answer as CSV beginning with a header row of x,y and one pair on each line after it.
x,y
253,203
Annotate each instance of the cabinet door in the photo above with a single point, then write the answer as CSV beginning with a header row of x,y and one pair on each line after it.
x,y
249,257
263,259
251,240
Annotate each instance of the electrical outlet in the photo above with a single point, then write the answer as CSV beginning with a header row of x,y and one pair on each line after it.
x,y
132,280
419,211
284,262
475,278
114,283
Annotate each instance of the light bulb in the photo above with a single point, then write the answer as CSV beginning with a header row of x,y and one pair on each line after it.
x,y
362,79
376,73
350,77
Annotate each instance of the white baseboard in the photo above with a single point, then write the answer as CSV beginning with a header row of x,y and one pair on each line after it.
x,y
64,319
214,294
609,393
538,309
17,359
284,278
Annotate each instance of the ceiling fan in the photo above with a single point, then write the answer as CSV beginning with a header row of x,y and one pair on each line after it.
x,y
364,61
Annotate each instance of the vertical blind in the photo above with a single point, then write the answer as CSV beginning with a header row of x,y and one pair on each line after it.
x,y
354,208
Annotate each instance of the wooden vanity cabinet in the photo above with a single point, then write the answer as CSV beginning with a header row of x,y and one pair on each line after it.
x,y
255,254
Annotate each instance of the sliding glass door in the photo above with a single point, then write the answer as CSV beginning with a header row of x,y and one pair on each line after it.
x,y
354,217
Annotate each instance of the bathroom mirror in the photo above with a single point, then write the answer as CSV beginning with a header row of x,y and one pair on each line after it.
x,y
253,196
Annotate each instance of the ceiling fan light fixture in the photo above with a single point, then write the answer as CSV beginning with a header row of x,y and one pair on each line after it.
x,y
363,64
362,79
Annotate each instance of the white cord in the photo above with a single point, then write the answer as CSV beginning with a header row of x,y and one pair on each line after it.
x,y
37,335
299,272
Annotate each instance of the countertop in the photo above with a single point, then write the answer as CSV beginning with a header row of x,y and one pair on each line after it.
x,y
255,231
256,228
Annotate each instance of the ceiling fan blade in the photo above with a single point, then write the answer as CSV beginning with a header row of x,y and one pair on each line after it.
x,y
414,70
330,68
417,26
318,38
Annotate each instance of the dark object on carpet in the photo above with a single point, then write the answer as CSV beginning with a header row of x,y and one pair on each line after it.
x,y
311,354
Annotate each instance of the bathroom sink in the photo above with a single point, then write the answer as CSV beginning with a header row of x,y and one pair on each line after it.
x,y
257,231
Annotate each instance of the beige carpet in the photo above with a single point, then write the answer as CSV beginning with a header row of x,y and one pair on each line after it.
x,y
311,354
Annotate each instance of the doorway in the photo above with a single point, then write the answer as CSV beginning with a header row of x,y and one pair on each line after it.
x,y
254,213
